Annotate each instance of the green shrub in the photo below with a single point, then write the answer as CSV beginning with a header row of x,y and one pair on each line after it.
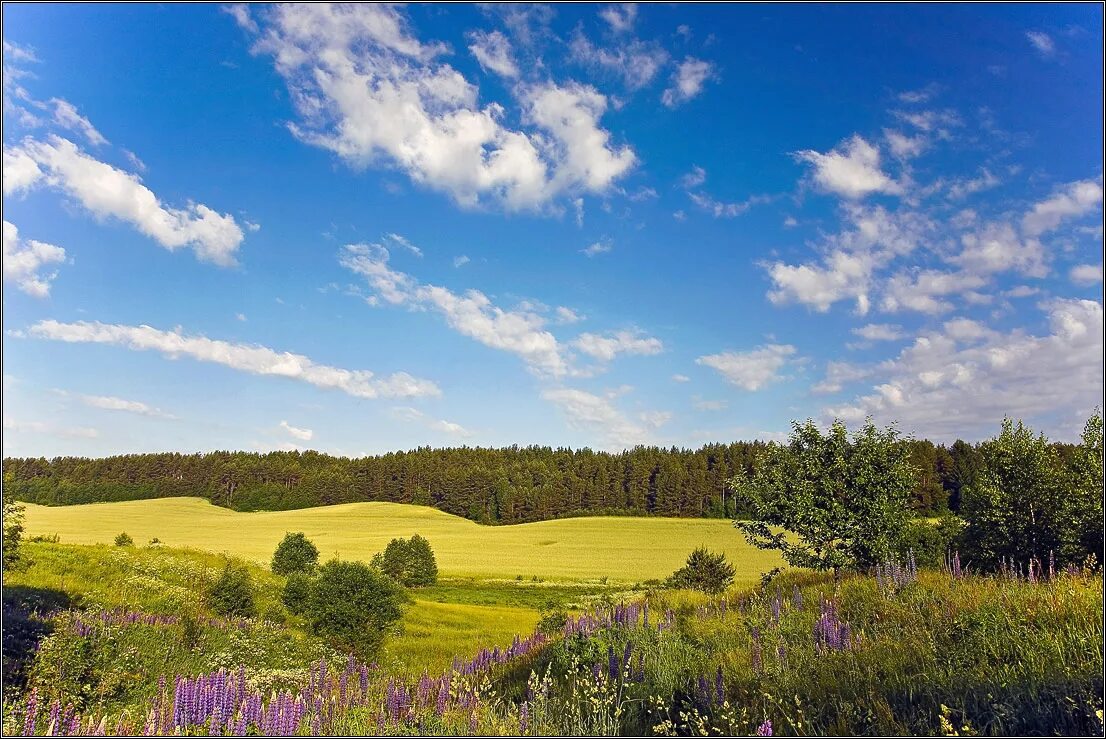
x,y
124,540
931,543
13,531
410,562
295,553
232,593
704,571
352,605
297,593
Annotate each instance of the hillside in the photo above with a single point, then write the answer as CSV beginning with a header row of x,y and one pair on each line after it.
x,y
621,549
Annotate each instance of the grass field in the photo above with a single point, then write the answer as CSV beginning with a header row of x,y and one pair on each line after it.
x,y
622,549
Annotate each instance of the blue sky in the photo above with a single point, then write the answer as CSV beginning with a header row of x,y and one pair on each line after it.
x,y
374,228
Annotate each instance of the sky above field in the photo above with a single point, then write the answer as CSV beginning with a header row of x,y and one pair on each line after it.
x,y
365,229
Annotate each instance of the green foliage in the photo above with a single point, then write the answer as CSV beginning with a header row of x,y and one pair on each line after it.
x,y
552,620
297,593
1028,504
931,542
830,501
353,605
705,571
13,531
124,540
232,593
410,562
1086,493
295,553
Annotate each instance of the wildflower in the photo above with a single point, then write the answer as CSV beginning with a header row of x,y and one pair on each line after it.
x,y
765,729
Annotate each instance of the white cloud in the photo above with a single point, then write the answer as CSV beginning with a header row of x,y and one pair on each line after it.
x,y
519,332
1074,200
107,191
47,429
567,315
367,89
111,403
708,405
414,415
66,116
241,14
997,247
750,370
921,95
924,291
839,374
297,433
397,240
851,170
620,17
593,413
962,380
606,348
636,62
493,51
687,81
460,261
694,178
903,146
880,332
23,260
1086,274
599,247
252,359
680,378
962,188
21,172
1042,42
719,209
930,121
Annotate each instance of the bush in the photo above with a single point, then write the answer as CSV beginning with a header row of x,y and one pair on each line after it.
x,y
232,593
295,553
352,605
704,571
124,540
931,543
13,531
410,562
297,593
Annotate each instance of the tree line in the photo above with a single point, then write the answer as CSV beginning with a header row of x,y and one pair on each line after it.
x,y
507,485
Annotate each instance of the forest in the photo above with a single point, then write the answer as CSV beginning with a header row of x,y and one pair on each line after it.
x,y
508,485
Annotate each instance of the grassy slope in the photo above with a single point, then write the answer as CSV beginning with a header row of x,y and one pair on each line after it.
x,y
622,549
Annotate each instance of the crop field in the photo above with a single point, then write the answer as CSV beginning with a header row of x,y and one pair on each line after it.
x,y
625,550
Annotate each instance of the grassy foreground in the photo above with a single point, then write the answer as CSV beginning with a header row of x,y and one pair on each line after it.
x,y
621,549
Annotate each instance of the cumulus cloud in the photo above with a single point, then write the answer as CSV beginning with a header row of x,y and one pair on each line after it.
x,y
49,429
596,414
1086,274
520,332
903,146
567,315
66,116
720,209
1042,42
297,433
620,17
460,261
250,358
106,191
687,81
924,291
838,375
606,348
680,378
851,170
493,51
1072,201
962,379
414,415
112,403
750,370
880,332
597,248
24,260
635,62
371,92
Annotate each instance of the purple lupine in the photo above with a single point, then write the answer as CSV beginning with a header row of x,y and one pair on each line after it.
x,y
796,598
719,687
612,664
765,729
524,718
443,697
31,713
55,715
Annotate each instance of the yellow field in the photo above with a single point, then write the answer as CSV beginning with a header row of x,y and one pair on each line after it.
x,y
621,549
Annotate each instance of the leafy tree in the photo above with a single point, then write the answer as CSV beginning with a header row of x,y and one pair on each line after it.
x,y
124,540
410,562
295,553
1028,504
13,531
828,501
232,593
297,593
1086,493
931,543
705,571
352,605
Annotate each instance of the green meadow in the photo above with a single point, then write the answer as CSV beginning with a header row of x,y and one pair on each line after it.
x,y
595,549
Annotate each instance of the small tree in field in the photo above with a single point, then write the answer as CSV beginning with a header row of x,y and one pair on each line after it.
x,y
828,501
295,553
13,531
704,571
410,562
1027,504
352,605
297,593
124,540
232,593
